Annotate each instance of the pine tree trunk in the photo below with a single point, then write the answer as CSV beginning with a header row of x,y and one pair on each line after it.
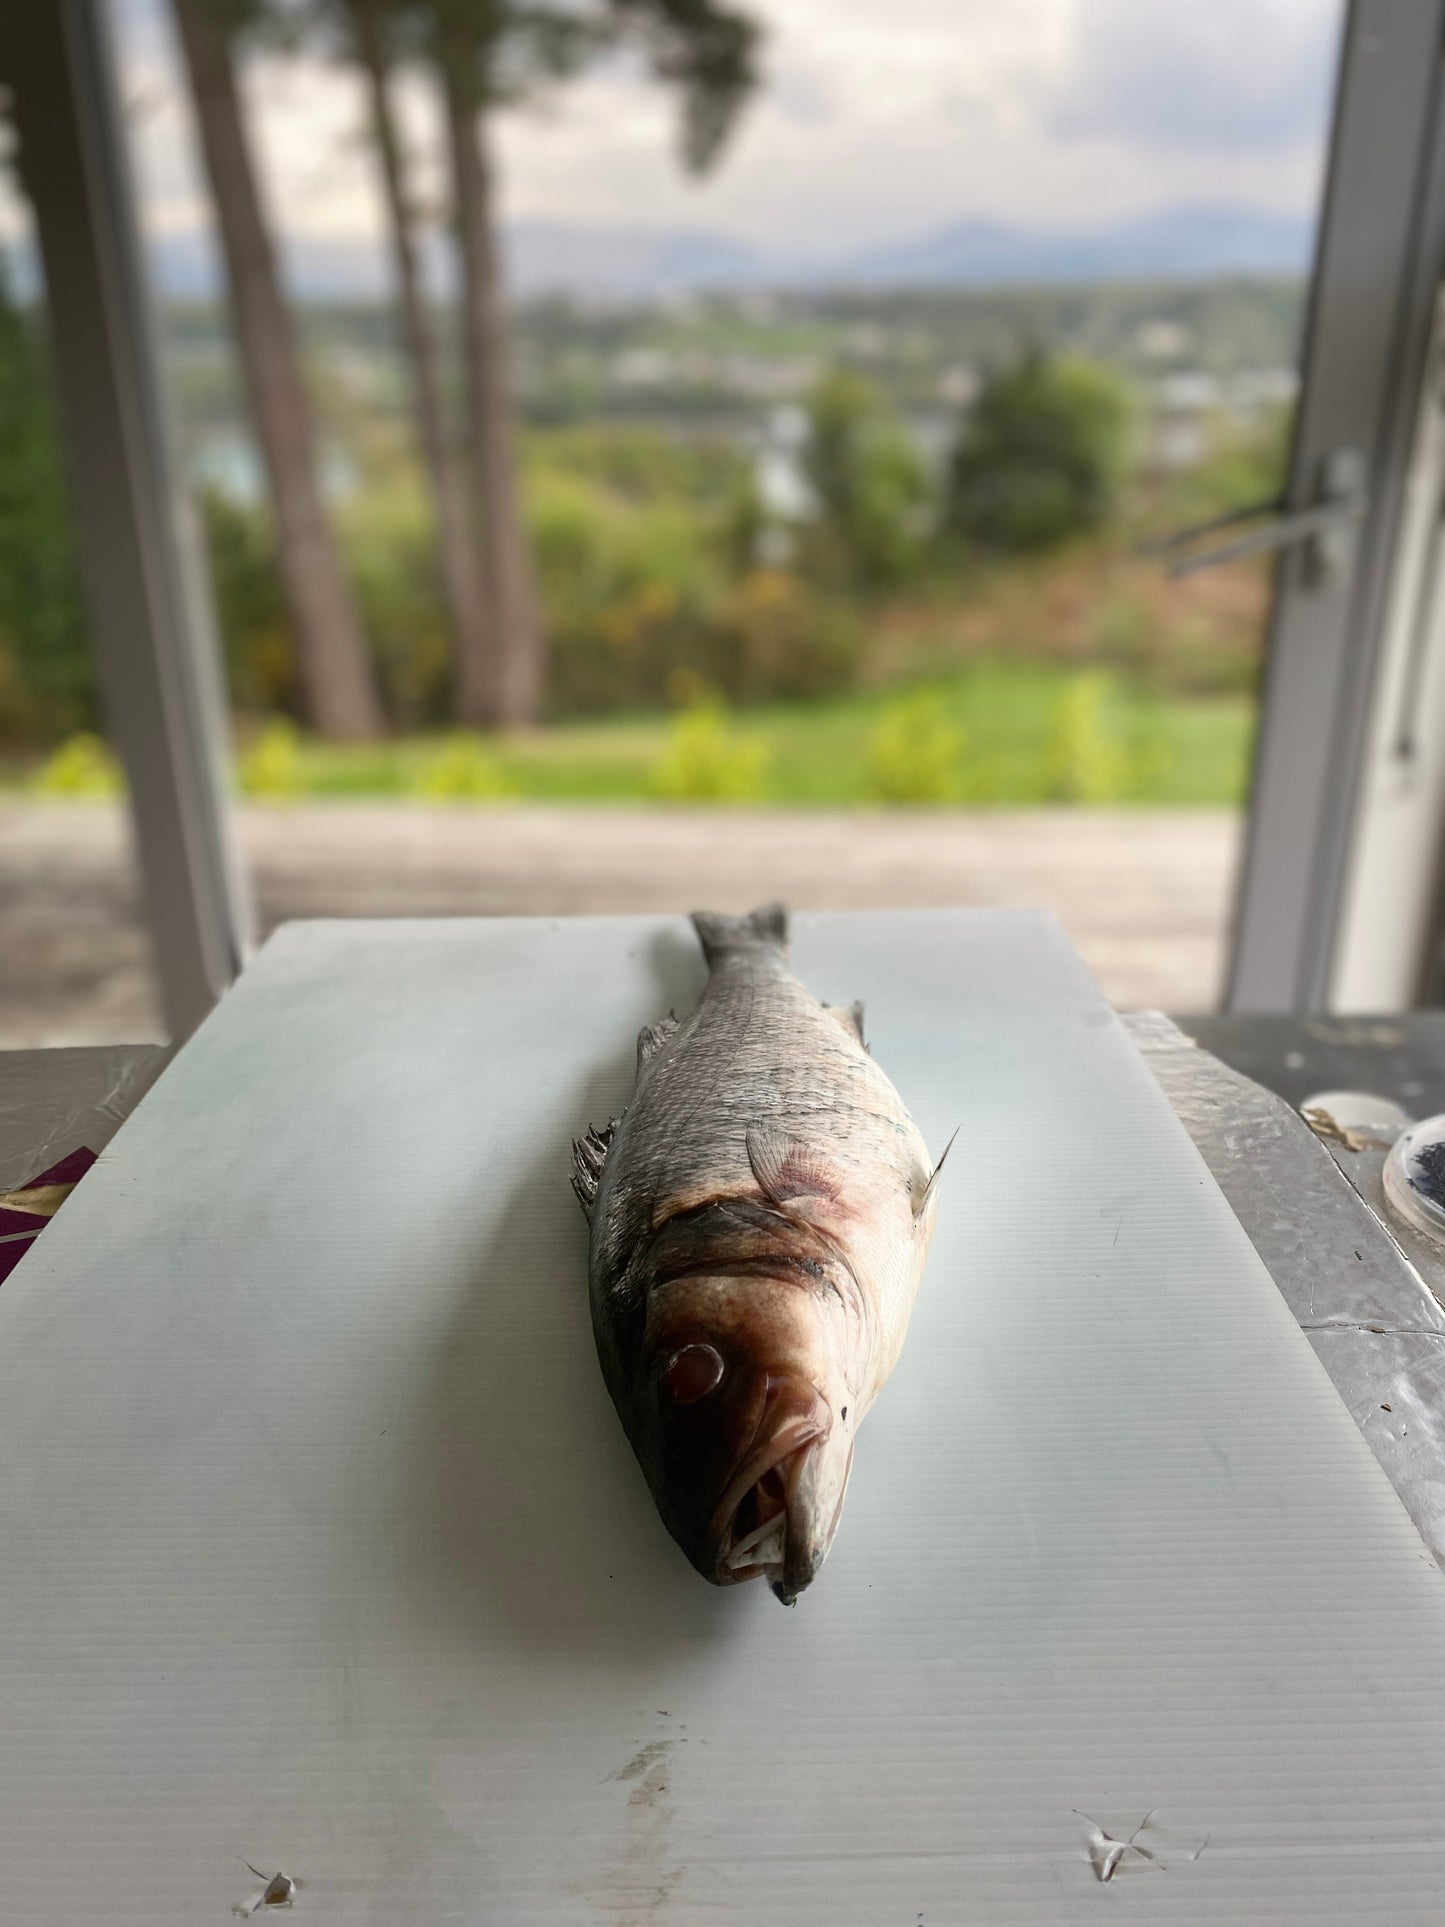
x,y
476,693
507,562
336,677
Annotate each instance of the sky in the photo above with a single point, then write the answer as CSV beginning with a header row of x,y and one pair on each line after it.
x,y
875,122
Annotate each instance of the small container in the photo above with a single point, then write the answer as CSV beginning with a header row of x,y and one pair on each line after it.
x,y
1415,1178
1372,1120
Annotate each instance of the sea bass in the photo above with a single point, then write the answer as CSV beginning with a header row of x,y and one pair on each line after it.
x,y
760,1216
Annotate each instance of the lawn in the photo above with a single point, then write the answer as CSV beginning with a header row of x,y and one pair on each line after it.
x,y
1001,732
997,733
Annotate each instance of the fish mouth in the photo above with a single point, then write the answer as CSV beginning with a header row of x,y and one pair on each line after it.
x,y
759,1529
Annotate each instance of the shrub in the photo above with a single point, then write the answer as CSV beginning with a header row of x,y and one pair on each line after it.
x,y
82,767
269,766
1123,633
639,464
1086,763
635,546
256,638
868,486
1164,644
637,595
782,638
460,769
389,536
916,752
630,593
46,683
705,761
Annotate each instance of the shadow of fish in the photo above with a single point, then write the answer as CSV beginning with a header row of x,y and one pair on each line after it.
x,y
760,1216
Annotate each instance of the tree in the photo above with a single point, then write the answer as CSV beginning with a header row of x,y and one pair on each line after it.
x,y
375,36
867,483
335,674
1040,456
517,663
46,684
488,54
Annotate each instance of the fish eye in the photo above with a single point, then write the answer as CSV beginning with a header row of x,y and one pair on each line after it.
x,y
690,1374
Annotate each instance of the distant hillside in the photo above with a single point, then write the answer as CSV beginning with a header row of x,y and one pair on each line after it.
x,y
549,257
633,263
1180,242
1187,241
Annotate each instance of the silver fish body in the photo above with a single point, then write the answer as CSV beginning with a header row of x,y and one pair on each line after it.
x,y
760,1217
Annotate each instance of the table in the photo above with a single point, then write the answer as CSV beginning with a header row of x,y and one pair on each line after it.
x,y
316,1638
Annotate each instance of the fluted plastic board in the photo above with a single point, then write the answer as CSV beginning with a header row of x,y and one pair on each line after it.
x,y
323,1550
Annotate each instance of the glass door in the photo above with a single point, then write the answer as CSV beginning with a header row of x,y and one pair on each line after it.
x,y
747,472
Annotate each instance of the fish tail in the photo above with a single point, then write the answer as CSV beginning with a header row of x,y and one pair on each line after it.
x,y
764,929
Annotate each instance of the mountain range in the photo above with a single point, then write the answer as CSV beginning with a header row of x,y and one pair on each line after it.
x,y
623,263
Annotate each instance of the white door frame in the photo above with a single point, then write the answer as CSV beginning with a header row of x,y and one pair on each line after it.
x,y
1380,252
150,610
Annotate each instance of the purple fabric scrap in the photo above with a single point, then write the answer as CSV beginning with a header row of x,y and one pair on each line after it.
x,y
70,1170
12,1221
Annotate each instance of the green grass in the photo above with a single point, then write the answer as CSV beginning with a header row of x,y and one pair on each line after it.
x,y
1162,750
1021,739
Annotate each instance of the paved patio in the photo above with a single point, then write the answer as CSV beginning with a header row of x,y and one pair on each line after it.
x,y
1145,895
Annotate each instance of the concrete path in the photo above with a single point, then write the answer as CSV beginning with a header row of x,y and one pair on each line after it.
x,y
1145,895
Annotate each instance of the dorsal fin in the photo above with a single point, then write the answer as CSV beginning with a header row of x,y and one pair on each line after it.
x,y
652,1037
589,1154
850,1018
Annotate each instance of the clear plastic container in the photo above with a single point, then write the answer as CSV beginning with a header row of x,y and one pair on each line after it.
x,y
1415,1178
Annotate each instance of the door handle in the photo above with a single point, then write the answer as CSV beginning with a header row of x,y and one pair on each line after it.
x,y
1325,527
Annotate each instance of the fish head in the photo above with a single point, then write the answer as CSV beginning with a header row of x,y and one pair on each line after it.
x,y
745,1429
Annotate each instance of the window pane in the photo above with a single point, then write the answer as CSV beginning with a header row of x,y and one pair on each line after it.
x,y
833,467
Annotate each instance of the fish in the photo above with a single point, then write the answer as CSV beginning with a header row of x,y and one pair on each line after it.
x,y
760,1215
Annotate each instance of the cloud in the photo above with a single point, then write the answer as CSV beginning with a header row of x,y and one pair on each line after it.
x,y
801,94
1227,75
874,123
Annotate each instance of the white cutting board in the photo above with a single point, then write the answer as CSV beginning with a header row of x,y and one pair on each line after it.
x,y
323,1550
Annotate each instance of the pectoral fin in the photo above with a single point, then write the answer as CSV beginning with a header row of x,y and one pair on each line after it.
x,y
930,1190
790,1174
848,1017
